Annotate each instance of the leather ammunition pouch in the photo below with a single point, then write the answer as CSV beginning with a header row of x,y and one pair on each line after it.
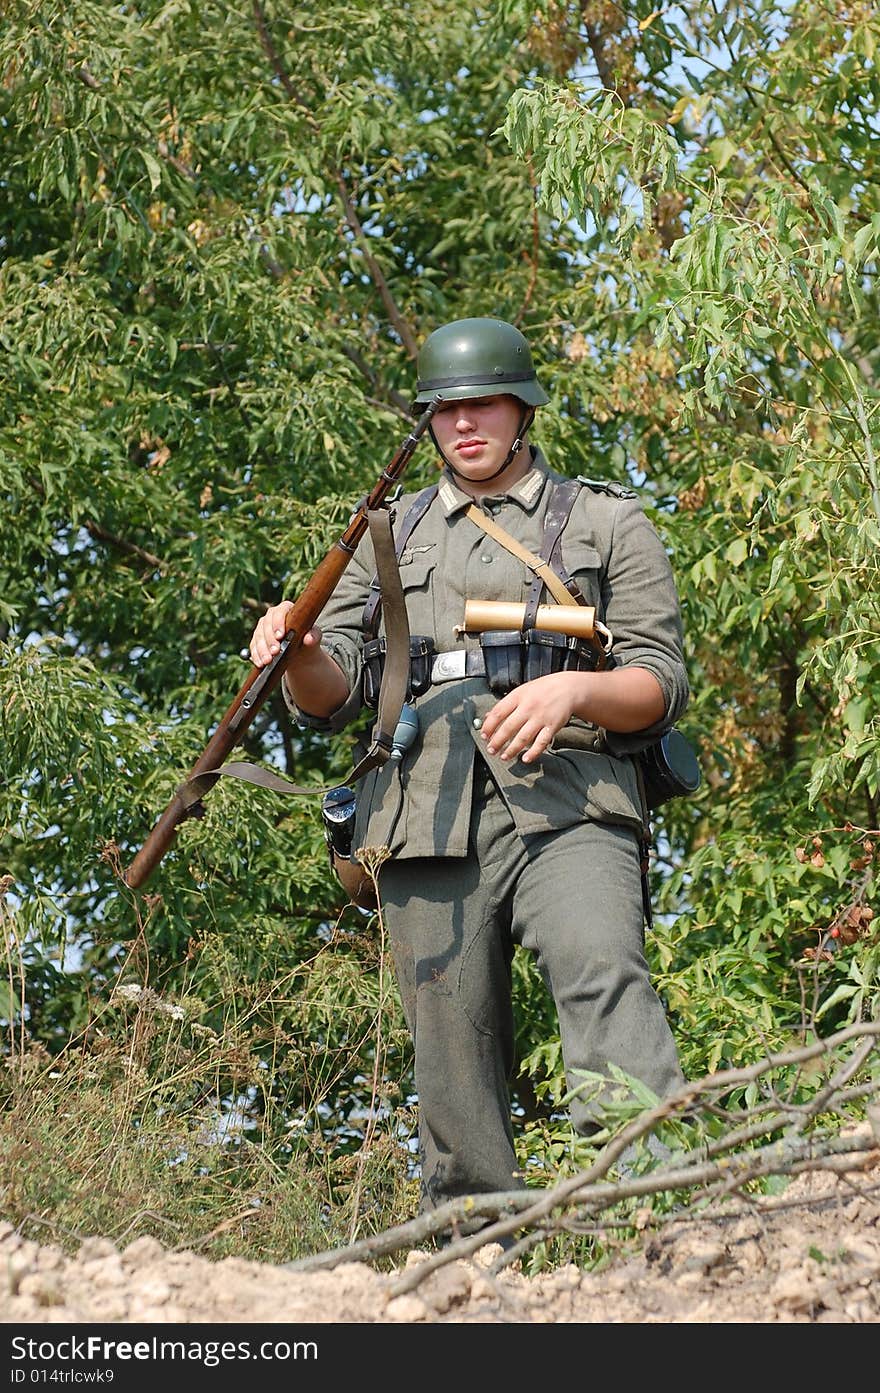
x,y
545,652
513,658
507,659
421,652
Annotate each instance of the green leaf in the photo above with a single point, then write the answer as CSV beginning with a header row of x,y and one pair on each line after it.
x,y
738,551
842,993
154,169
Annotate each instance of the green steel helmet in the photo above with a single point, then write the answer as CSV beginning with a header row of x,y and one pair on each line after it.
x,y
477,358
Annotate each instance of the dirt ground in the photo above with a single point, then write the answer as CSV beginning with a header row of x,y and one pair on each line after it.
x,y
813,1258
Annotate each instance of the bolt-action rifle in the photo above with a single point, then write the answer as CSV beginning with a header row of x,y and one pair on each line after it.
x,y
261,682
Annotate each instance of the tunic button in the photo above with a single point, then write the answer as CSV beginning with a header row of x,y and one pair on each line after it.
x,y
487,559
477,723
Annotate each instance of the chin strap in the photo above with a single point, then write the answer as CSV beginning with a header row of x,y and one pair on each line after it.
x,y
526,420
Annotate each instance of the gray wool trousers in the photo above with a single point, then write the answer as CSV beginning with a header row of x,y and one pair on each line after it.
x,y
573,898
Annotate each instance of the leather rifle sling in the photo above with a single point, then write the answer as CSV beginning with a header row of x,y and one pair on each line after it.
x,y
411,519
534,563
392,692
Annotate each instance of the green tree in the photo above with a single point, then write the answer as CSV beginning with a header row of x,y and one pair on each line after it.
x,y
723,170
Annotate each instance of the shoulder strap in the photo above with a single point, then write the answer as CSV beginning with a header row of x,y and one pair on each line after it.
x,y
395,674
558,513
411,519
543,571
564,593
608,486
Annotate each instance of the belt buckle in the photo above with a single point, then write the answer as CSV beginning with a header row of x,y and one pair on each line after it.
x,y
446,667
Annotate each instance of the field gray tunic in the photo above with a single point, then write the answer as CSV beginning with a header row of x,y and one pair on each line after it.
x,y
422,807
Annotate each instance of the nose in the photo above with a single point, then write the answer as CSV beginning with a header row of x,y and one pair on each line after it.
x,y
464,420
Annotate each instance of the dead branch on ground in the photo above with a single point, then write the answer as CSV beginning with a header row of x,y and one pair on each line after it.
x,y
776,1137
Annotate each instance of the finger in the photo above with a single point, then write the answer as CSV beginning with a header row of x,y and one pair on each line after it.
x,y
507,718
500,712
515,735
274,628
522,742
540,745
262,644
496,738
495,718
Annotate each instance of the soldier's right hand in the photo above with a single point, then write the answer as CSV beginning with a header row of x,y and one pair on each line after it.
x,y
266,638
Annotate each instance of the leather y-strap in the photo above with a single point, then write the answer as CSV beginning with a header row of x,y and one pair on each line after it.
x,y
541,568
562,499
392,692
565,592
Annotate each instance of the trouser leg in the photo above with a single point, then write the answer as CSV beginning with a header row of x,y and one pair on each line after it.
x,y
578,907
453,961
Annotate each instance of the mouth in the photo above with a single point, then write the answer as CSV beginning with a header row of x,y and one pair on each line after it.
x,y
467,448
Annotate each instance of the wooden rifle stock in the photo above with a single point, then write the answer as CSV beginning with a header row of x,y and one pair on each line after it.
x,y
261,682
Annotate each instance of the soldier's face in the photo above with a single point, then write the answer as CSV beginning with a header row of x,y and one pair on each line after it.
x,y
475,436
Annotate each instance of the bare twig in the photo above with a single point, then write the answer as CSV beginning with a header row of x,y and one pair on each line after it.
x,y
372,859
709,1173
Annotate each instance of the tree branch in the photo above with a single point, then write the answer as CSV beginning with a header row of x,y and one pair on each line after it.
x,y
711,1177
404,332
533,278
396,398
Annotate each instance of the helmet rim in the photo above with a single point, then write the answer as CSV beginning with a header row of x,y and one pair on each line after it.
x,y
472,358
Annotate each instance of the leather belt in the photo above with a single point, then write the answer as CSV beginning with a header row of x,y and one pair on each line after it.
x,y
457,664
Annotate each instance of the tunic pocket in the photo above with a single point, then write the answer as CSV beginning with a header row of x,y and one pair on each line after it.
x,y
584,565
416,577
416,567
607,787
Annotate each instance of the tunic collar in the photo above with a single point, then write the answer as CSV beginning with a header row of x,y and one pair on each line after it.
x,y
526,492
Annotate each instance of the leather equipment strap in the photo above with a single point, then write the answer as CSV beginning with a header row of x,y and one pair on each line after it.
x,y
562,500
534,563
392,692
564,594
411,519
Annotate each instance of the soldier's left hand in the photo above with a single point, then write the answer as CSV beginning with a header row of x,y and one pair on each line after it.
x,y
522,724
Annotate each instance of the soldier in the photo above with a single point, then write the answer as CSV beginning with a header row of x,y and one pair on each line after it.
x,y
516,815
